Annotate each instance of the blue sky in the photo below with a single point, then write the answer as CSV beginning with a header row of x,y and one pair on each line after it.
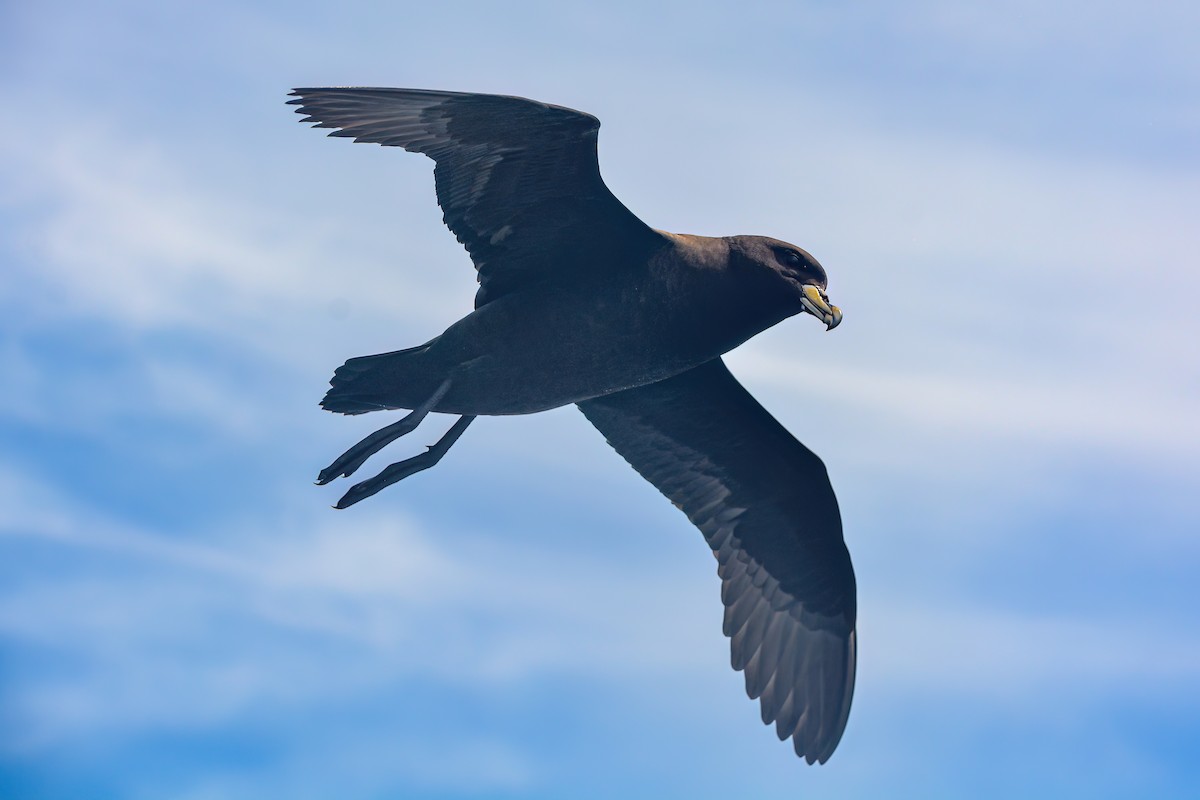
x,y
1004,197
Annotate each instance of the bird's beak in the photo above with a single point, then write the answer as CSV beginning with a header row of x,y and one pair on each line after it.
x,y
816,303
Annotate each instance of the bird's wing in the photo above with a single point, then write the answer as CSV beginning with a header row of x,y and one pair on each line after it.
x,y
518,180
765,505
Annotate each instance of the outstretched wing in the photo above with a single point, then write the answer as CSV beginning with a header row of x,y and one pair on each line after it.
x,y
518,180
765,505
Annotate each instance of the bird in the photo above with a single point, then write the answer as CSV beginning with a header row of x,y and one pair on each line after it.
x,y
580,302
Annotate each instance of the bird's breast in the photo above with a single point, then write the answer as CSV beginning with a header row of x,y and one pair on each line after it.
x,y
533,351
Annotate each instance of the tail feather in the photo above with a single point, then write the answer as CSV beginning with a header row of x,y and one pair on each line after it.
x,y
370,383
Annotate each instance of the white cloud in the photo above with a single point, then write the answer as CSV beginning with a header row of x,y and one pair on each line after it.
x,y
179,633
988,408
1015,304
1003,656
134,236
132,233
367,763
1028,32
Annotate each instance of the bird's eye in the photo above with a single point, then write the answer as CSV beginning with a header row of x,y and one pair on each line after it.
x,y
791,258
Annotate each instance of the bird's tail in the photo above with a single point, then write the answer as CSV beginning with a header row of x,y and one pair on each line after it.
x,y
374,383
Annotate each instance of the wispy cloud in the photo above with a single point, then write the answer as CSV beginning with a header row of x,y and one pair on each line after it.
x,y
1003,198
1002,657
983,408
354,606
135,236
368,600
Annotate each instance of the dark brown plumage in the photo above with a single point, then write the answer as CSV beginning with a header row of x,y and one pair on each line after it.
x,y
581,302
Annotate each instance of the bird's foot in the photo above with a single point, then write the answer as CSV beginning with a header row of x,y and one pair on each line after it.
x,y
356,456
402,469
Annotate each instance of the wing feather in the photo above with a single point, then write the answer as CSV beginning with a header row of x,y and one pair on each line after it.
x,y
518,181
766,508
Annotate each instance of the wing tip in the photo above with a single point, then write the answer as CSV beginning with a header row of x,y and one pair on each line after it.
x,y
820,748
817,731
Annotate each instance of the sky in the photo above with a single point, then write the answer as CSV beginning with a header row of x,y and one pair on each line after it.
x,y
1004,196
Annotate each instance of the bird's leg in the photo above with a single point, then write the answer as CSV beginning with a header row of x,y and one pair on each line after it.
x,y
409,466
353,458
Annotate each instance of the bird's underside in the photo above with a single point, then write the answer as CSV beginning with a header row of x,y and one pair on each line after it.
x,y
520,187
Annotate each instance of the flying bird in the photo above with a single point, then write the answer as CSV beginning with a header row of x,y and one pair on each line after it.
x,y
579,301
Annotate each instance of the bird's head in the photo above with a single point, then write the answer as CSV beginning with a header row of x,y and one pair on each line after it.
x,y
788,268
